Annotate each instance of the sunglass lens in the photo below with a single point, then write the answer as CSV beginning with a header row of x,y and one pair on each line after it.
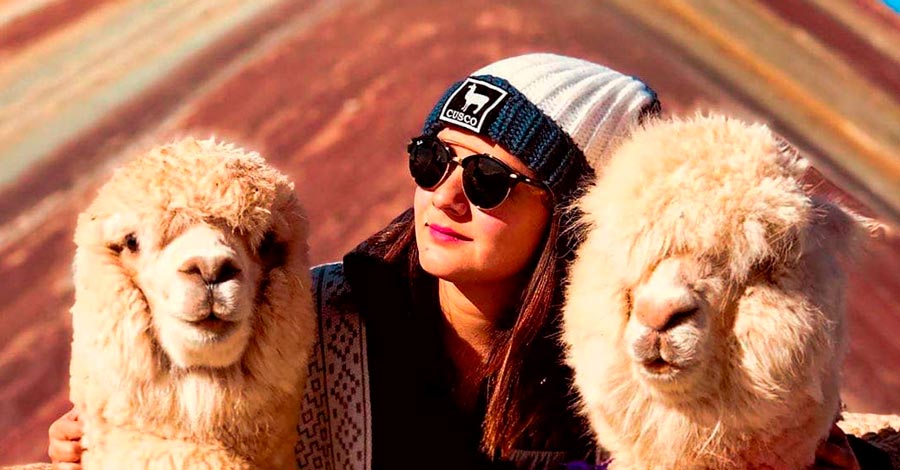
x,y
428,161
485,181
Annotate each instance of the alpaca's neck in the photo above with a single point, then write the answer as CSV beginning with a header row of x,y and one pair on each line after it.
x,y
710,433
220,408
200,398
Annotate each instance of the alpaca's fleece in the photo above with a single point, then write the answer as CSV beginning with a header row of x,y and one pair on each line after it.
x,y
193,321
704,315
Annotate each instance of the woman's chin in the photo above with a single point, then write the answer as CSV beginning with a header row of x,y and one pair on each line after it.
x,y
437,264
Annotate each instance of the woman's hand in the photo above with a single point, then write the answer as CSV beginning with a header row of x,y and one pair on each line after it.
x,y
65,442
835,452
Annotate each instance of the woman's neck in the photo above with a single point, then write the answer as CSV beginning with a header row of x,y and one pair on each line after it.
x,y
471,317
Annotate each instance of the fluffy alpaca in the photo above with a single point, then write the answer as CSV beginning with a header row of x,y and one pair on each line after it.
x,y
192,320
705,312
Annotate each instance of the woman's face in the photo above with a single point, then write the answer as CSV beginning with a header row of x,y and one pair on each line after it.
x,y
460,243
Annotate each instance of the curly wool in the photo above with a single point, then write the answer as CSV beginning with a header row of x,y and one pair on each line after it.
x,y
194,180
139,408
727,196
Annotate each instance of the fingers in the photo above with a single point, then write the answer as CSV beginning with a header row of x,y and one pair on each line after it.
x,y
74,414
64,451
67,427
64,435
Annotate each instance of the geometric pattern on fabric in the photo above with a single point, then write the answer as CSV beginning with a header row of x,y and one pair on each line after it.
x,y
335,416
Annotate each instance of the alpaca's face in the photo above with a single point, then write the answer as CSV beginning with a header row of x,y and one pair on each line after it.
x,y
668,332
704,313
200,286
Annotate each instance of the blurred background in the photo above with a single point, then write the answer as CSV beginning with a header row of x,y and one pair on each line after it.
x,y
330,92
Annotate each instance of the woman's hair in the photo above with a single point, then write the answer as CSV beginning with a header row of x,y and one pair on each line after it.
x,y
520,398
529,386
522,402
545,102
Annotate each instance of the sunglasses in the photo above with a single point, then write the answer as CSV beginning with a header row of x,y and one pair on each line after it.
x,y
486,181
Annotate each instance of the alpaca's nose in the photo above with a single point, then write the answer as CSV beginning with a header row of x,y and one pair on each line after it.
x,y
212,269
663,314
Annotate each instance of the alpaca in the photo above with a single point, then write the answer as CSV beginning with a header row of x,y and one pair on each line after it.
x,y
704,316
193,321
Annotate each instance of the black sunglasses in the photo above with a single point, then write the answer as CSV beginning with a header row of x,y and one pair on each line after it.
x,y
486,181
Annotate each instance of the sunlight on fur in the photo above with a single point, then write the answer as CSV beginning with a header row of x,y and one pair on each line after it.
x,y
193,320
705,311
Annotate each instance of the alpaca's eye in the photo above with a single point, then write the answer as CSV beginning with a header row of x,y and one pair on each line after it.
x,y
272,253
128,242
629,303
131,243
682,316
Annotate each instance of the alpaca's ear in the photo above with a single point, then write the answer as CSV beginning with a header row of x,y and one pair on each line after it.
x,y
790,157
839,230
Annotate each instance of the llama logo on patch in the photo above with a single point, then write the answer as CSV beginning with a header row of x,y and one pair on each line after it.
x,y
473,104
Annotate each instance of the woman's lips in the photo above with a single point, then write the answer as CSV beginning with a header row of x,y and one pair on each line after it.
x,y
446,234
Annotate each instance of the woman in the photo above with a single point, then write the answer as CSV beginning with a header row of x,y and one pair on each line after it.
x,y
457,300
475,269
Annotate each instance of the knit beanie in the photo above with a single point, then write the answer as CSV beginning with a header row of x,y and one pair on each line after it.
x,y
560,115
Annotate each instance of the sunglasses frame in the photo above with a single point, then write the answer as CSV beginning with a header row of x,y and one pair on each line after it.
x,y
454,160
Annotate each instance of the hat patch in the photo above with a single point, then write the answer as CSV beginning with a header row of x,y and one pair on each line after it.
x,y
472,105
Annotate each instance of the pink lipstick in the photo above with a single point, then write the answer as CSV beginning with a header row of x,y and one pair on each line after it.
x,y
445,234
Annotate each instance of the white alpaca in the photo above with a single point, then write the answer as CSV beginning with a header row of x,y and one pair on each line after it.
x,y
193,320
473,98
705,312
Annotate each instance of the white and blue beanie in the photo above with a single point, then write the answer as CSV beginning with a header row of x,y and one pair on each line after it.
x,y
560,115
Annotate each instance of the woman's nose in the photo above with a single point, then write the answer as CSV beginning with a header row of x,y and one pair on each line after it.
x,y
449,196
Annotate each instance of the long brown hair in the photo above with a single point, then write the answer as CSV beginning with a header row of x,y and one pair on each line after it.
x,y
532,401
522,402
535,402
530,387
